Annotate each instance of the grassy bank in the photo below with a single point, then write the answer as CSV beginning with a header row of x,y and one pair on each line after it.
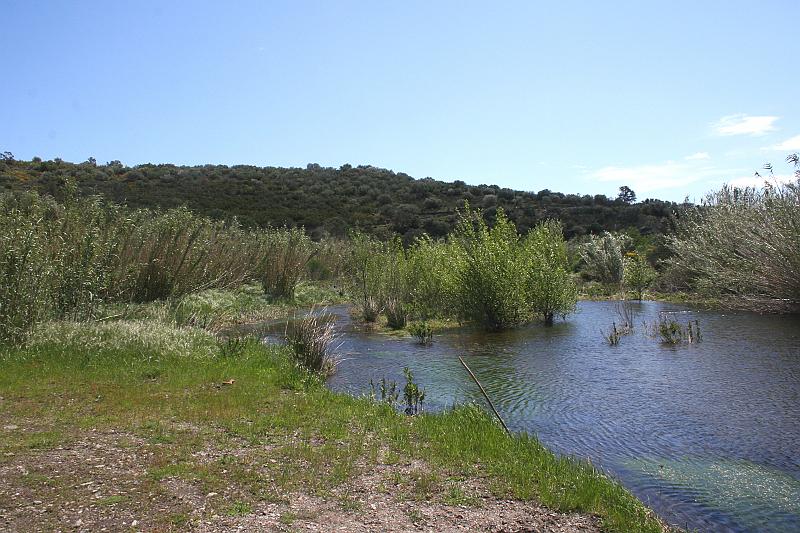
x,y
243,424
218,309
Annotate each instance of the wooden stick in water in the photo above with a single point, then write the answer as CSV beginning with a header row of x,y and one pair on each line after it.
x,y
478,383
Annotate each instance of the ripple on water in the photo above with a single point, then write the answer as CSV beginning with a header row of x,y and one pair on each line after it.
x,y
722,414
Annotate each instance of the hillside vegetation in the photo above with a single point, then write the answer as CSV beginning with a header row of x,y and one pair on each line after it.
x,y
329,201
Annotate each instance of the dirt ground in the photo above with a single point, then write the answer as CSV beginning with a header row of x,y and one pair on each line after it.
x,y
104,481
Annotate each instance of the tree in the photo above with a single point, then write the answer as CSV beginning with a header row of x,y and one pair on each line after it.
x,y
489,282
638,273
626,195
549,285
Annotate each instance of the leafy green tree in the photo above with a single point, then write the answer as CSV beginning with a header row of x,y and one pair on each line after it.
x,y
430,278
488,271
626,195
638,274
550,288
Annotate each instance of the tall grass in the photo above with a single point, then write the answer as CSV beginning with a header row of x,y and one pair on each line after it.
x,y
24,266
312,338
286,253
61,260
174,253
743,246
55,260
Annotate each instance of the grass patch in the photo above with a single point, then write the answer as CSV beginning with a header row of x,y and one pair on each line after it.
x,y
240,508
178,519
112,500
287,518
43,440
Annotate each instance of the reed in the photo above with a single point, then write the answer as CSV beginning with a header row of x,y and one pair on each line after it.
x,y
396,313
287,252
422,331
672,332
312,338
63,260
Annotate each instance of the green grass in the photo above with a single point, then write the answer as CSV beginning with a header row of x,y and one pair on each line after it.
x,y
217,309
240,508
111,500
164,384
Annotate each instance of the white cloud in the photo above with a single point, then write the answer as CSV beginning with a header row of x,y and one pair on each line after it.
x,y
789,145
663,176
756,181
699,156
741,124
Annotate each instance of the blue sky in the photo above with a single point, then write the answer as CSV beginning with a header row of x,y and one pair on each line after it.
x,y
670,98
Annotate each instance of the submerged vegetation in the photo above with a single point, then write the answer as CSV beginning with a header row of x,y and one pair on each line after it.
x,y
624,325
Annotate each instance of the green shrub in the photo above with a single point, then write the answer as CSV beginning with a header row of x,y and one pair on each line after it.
x,y
422,331
489,275
638,274
364,276
549,285
743,246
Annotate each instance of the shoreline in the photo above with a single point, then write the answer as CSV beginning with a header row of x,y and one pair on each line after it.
x,y
163,424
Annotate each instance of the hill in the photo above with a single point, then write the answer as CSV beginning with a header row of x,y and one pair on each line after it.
x,y
328,201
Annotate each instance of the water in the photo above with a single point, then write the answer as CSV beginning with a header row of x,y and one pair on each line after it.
x,y
705,434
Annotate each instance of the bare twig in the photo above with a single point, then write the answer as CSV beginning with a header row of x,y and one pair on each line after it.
x,y
485,396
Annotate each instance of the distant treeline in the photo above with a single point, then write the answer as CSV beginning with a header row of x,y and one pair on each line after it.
x,y
329,201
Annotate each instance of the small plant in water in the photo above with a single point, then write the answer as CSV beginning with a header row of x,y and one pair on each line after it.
x,y
670,331
388,391
370,310
627,316
613,335
396,314
422,331
412,394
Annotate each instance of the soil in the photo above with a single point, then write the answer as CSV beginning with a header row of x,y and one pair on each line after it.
x,y
103,481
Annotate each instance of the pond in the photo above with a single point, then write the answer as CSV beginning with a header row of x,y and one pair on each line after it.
x,y
705,434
